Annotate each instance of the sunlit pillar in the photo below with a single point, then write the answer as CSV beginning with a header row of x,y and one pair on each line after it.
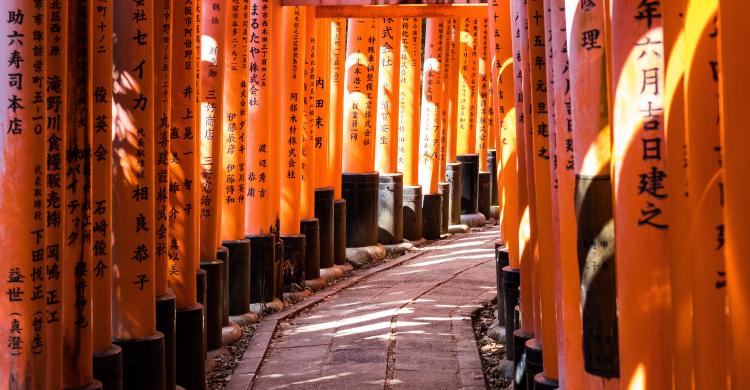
x,y
482,139
410,66
133,196
335,134
638,157
453,62
467,57
733,65
23,153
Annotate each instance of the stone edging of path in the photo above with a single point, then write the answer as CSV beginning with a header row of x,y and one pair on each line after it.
x,y
244,375
469,359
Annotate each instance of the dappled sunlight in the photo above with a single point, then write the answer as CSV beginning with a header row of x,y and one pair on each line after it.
x,y
353,320
376,326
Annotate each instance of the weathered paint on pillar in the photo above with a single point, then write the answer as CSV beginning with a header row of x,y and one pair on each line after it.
x,y
452,89
322,117
23,153
466,104
705,182
408,99
541,146
133,194
429,147
184,143
386,144
100,51
639,156
681,277
56,58
336,102
213,23
359,97
735,104
483,107
292,117
308,169
262,172
234,135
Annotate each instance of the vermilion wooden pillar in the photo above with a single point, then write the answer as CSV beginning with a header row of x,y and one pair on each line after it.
x,y
733,65
639,156
483,104
322,120
22,158
452,89
387,118
467,41
429,134
445,71
408,99
336,102
308,169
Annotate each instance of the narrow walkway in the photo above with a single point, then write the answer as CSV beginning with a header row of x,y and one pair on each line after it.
x,y
405,327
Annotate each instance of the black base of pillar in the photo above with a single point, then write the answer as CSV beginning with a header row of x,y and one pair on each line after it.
x,y
432,215
361,193
278,279
534,362
445,190
501,261
339,232
324,215
541,382
311,229
390,208
294,261
511,282
492,169
483,195
469,183
519,347
213,305
108,367
453,177
262,273
201,287
239,275
191,350
222,254
165,324
143,363
413,213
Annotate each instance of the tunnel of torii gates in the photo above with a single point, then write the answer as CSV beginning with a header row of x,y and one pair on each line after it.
x,y
167,164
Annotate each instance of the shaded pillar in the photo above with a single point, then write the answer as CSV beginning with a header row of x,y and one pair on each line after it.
x,y
309,225
390,208
335,134
453,177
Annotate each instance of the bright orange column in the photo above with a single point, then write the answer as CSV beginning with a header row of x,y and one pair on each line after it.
x,y
467,57
213,20
322,111
133,194
389,80
308,169
235,128
336,102
408,99
452,89
292,116
359,92
735,102
429,134
445,70
638,157
483,104
56,52
705,182
22,158
100,51
261,168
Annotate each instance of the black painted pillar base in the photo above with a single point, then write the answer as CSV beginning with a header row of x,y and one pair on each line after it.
x,y
191,350
483,195
534,362
339,232
541,382
519,353
165,325
278,260
213,305
143,363
324,215
311,229
413,213
390,208
361,193
108,367
445,190
222,254
294,261
469,183
453,177
239,275
432,215
511,282
501,261
492,169
261,274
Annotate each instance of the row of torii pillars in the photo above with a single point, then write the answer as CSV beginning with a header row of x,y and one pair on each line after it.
x,y
251,127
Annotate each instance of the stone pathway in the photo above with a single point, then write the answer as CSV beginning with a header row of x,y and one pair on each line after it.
x,y
405,327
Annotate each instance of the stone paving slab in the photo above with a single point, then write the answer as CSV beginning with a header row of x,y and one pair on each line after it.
x,y
405,324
